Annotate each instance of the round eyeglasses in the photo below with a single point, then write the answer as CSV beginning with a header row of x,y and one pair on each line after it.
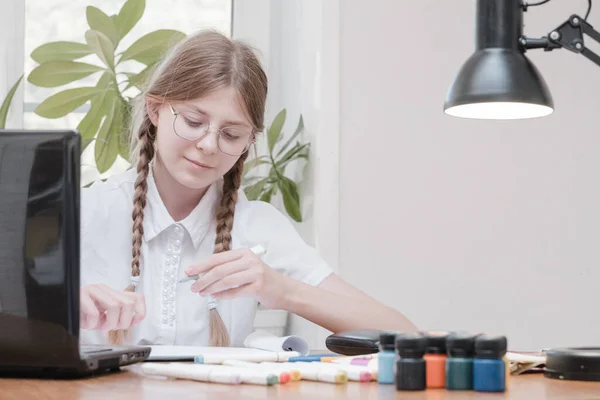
x,y
192,126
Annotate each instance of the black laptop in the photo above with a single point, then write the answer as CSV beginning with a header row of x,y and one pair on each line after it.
x,y
39,261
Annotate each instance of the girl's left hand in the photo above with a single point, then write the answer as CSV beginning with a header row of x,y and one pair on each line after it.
x,y
239,273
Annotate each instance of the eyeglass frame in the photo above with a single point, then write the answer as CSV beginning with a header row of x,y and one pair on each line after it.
x,y
251,140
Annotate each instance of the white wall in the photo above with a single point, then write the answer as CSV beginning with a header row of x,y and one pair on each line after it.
x,y
462,224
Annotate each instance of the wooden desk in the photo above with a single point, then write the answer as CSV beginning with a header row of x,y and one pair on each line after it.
x,y
131,384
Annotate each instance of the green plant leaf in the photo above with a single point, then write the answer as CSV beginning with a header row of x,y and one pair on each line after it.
x,y
298,151
100,104
60,51
139,80
99,21
252,179
299,130
122,131
266,196
7,101
149,48
250,165
291,199
254,191
106,148
58,73
275,129
128,16
62,103
102,46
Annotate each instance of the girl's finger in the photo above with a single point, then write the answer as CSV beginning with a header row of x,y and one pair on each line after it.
x,y
242,291
215,260
219,273
89,313
108,304
235,280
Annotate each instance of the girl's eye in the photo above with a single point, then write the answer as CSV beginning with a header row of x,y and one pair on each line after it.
x,y
233,134
193,123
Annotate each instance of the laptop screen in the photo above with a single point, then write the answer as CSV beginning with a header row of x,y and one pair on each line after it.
x,y
39,245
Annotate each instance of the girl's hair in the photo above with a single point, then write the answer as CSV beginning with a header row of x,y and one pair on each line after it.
x,y
199,64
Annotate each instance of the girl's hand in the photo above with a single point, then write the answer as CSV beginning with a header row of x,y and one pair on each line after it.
x,y
107,309
240,273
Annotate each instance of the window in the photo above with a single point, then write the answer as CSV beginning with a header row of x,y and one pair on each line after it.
x,y
65,20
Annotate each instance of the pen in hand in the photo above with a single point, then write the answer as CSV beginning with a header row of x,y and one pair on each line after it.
x,y
258,250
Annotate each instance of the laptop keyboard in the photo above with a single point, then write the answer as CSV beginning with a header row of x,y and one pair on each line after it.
x,y
91,349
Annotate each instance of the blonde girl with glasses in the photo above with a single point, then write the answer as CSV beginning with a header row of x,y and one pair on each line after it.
x,y
180,212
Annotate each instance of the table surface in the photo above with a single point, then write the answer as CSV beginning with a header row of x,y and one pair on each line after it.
x,y
130,383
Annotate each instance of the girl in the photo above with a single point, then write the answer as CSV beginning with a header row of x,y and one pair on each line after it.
x,y
191,133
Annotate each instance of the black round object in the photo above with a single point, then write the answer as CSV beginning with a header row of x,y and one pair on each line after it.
x,y
387,340
490,346
573,363
435,342
461,344
410,345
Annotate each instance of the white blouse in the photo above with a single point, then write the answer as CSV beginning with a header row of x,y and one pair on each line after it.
x,y
175,315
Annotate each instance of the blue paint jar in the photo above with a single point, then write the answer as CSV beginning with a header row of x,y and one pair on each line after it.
x,y
460,347
410,366
489,368
386,358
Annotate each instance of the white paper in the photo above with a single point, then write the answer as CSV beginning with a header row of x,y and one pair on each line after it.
x,y
267,341
187,353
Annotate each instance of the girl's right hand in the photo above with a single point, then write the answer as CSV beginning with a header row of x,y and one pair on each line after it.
x,y
107,309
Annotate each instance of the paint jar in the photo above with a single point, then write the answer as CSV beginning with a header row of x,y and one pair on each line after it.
x,y
460,347
386,358
410,366
435,359
489,367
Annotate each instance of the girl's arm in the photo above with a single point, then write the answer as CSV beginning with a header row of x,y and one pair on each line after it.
x,y
337,306
334,304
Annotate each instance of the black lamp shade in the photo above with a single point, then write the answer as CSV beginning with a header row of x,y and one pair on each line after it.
x,y
498,81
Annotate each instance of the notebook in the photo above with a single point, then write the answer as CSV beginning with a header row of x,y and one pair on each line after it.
x,y
259,345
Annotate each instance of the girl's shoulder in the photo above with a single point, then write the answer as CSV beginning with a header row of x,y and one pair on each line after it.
x,y
109,197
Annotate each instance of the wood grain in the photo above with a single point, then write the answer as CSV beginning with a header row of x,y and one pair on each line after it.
x,y
130,383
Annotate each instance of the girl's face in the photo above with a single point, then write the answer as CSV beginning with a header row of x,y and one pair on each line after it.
x,y
194,156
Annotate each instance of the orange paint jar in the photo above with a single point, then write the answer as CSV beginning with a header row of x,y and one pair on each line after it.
x,y
435,359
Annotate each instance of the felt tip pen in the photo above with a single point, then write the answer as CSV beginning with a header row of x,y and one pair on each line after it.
x,y
266,356
295,374
258,250
212,373
320,374
312,357
284,376
202,373
355,373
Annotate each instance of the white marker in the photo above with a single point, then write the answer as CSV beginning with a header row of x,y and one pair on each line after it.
x,y
355,373
317,373
272,356
212,373
284,376
258,250
203,373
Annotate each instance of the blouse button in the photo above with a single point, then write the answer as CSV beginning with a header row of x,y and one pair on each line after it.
x,y
177,230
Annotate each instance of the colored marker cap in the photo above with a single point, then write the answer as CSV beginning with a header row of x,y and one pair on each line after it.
x,y
490,346
410,345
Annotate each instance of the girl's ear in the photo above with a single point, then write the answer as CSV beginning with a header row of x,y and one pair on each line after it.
x,y
152,107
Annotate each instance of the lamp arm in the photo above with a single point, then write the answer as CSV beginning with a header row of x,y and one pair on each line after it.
x,y
568,35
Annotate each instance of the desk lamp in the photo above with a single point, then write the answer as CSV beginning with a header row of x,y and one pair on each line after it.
x,y
498,81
